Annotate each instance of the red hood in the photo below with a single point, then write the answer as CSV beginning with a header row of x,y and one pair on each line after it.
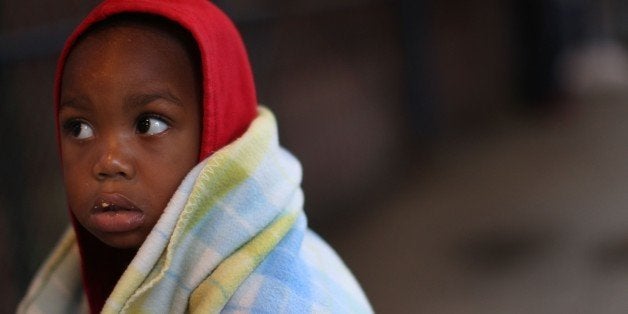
x,y
229,105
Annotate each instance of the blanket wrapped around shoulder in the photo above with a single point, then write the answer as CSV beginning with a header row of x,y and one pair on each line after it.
x,y
233,238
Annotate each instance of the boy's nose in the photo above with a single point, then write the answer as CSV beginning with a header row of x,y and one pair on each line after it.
x,y
114,161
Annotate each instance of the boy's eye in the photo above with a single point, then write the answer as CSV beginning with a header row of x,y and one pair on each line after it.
x,y
79,130
151,125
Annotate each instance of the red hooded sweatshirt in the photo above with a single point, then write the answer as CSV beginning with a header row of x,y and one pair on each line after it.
x,y
228,107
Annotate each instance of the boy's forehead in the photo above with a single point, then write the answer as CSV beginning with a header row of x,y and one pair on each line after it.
x,y
139,31
118,25
102,51
130,34
133,41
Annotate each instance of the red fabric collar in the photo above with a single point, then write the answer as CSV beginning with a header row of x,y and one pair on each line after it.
x,y
229,106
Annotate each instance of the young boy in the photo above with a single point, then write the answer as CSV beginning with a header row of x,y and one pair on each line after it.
x,y
180,196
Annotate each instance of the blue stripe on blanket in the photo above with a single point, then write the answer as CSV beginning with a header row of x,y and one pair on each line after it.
x,y
289,279
246,210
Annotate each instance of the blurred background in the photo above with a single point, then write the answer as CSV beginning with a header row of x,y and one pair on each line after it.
x,y
461,156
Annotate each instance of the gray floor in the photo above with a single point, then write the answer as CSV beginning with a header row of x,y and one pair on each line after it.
x,y
532,219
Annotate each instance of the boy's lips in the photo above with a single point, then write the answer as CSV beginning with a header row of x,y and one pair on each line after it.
x,y
114,213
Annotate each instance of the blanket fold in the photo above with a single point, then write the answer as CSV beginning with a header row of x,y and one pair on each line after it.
x,y
233,238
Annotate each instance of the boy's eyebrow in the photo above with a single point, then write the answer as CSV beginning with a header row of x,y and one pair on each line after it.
x,y
74,102
142,99
133,101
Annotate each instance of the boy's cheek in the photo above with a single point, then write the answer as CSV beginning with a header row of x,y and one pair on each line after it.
x,y
76,190
77,179
74,170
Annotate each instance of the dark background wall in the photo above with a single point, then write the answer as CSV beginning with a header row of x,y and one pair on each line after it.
x,y
462,157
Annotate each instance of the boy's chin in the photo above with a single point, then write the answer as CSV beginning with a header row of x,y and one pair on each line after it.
x,y
129,240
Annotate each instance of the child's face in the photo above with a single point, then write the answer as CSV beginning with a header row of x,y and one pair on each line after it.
x,y
130,130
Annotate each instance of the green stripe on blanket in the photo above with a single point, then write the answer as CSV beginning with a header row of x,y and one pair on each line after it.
x,y
225,170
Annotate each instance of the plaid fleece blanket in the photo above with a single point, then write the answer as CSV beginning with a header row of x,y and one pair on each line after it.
x,y
232,239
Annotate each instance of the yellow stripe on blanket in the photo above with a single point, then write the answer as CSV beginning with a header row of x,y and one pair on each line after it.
x,y
214,292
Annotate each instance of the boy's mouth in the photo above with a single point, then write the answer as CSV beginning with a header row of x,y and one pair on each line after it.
x,y
113,202
114,213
